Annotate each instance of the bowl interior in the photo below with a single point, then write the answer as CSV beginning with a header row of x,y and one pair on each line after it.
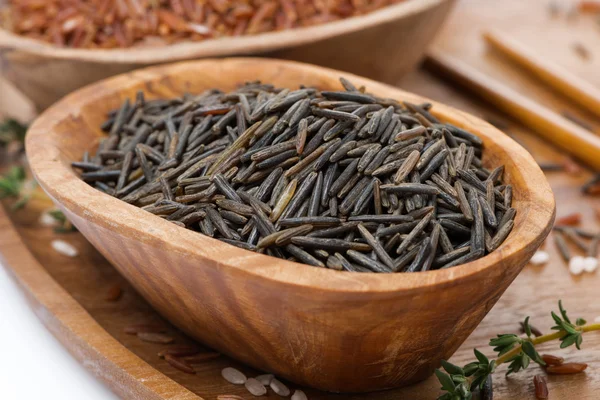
x,y
70,127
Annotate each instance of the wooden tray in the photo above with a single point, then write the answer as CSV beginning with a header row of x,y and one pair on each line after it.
x,y
68,294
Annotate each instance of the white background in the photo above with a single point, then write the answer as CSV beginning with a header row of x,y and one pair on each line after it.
x,y
33,364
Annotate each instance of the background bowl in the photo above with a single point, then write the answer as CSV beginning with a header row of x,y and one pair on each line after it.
x,y
327,329
384,45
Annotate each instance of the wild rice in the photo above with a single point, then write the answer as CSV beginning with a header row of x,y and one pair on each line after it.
x,y
303,174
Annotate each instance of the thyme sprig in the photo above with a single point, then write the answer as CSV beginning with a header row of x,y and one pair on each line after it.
x,y
63,225
460,383
14,183
12,130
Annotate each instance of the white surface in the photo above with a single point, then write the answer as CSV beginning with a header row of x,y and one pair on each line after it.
x,y
34,364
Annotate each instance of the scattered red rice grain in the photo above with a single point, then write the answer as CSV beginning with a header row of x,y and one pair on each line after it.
x,y
114,293
549,359
147,328
155,337
566,368
541,388
571,167
536,332
179,351
570,219
589,6
202,357
594,189
581,51
180,364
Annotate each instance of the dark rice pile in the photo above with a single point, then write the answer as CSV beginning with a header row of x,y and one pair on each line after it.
x,y
336,179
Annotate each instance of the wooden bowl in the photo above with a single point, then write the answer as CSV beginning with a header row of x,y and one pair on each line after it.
x,y
384,45
332,330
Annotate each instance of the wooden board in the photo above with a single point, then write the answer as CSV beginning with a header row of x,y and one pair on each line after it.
x,y
531,23
68,294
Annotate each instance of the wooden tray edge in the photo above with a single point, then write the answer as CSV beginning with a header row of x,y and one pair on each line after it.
x,y
122,371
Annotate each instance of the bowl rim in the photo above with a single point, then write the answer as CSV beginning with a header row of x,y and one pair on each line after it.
x,y
61,183
242,45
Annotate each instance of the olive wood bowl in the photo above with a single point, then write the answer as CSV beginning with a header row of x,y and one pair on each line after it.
x,y
332,330
384,45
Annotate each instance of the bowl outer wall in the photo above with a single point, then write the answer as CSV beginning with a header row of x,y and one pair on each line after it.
x,y
326,329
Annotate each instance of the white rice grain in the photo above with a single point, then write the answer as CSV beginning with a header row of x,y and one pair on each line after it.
x,y
590,264
64,248
299,395
540,257
255,387
279,388
265,379
576,265
234,376
47,220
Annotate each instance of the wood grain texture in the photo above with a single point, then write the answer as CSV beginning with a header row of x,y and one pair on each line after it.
x,y
560,79
86,340
568,135
399,33
530,22
327,329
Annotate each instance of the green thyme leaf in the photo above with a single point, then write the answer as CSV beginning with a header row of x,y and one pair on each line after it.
x,y
567,341
529,349
452,369
12,182
503,340
446,381
12,130
20,203
481,357
578,341
525,361
580,322
57,215
563,312
527,327
471,368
